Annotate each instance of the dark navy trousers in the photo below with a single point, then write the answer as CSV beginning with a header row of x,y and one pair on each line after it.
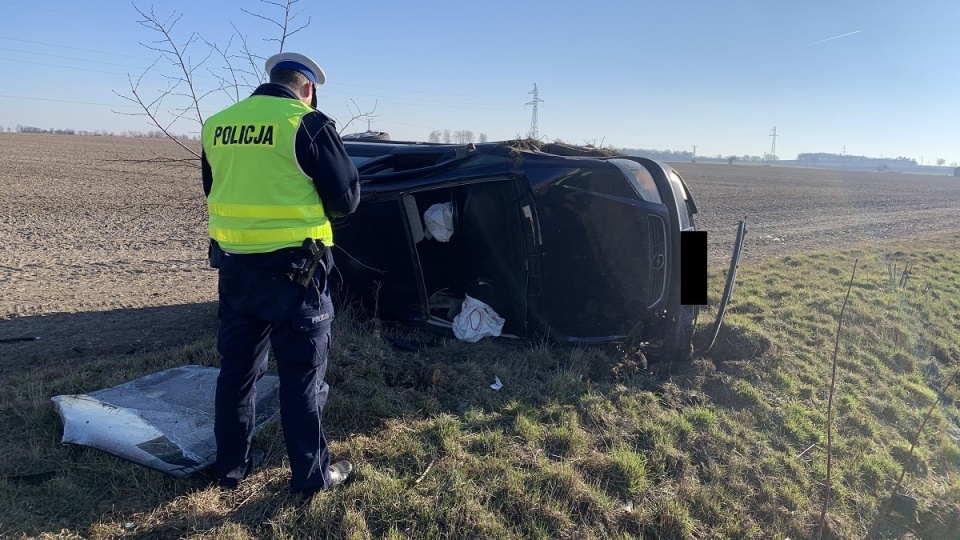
x,y
261,307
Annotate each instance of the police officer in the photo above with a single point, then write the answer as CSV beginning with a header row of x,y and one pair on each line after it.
x,y
275,172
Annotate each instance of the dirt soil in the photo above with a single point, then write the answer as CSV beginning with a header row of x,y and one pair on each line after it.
x,y
103,251
794,210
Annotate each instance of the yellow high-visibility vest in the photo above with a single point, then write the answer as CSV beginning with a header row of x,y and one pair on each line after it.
x,y
261,200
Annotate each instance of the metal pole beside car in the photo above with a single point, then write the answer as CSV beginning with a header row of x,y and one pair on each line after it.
x,y
731,277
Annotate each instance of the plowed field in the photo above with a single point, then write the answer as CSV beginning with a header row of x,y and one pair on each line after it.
x,y
791,210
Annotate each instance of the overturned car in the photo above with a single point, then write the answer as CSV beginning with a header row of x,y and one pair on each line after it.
x,y
579,249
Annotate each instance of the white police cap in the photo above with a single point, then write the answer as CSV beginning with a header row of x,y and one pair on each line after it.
x,y
297,62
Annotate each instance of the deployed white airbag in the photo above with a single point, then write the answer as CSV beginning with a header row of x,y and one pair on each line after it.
x,y
439,221
476,321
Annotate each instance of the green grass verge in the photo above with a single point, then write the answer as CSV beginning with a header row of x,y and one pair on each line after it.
x,y
729,446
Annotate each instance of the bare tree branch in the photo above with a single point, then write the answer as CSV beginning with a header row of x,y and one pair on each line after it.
x,y
180,98
288,18
151,113
230,69
152,22
254,60
359,114
183,86
833,383
268,19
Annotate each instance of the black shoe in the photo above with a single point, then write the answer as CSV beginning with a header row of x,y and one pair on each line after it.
x,y
253,463
339,472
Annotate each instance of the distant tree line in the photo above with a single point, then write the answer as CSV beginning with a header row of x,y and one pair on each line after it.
x,y
826,158
660,155
31,129
686,155
459,137
154,134
810,158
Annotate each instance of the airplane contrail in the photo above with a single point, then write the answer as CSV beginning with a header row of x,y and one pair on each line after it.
x,y
832,38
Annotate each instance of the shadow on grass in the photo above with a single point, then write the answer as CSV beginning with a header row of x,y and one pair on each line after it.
x,y
45,486
75,336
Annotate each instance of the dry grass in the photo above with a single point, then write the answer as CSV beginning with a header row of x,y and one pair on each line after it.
x,y
566,449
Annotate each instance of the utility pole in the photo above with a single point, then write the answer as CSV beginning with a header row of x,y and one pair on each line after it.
x,y
535,102
773,145
368,124
694,153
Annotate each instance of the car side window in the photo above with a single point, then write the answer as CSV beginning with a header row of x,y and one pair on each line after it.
x,y
607,182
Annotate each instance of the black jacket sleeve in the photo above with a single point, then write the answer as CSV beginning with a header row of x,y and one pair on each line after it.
x,y
322,157
206,174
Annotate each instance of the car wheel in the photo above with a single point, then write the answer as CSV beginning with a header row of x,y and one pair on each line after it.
x,y
367,136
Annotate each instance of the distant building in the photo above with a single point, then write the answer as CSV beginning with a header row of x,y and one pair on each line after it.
x,y
956,171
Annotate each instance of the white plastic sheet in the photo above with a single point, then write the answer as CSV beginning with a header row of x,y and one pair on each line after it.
x,y
476,321
439,221
163,420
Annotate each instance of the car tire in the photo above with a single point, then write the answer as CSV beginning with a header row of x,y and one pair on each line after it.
x,y
367,136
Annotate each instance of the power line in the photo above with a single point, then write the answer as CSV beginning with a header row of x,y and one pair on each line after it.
x,y
432,106
74,15
344,61
433,74
163,75
382,121
211,78
479,106
419,91
75,48
73,102
169,77
71,67
70,58
88,70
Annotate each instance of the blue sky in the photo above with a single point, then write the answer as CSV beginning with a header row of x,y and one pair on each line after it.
x,y
876,77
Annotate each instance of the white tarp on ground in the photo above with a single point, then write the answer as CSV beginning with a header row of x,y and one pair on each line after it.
x,y
163,421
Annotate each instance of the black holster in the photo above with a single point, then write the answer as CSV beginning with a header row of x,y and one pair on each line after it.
x,y
304,275
214,254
